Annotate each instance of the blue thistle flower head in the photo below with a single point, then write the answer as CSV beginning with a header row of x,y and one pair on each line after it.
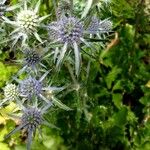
x,y
93,26
52,31
70,30
32,118
67,30
32,58
30,121
30,87
99,26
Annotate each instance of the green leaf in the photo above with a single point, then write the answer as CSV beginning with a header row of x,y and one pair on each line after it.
x,y
112,75
117,100
120,118
118,85
145,100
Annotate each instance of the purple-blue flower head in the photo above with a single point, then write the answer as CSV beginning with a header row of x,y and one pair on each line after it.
x,y
32,58
69,32
97,26
30,121
30,87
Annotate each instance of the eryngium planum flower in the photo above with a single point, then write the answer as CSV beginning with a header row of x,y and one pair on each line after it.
x,y
69,32
32,60
99,26
10,93
32,57
32,117
30,121
31,88
26,23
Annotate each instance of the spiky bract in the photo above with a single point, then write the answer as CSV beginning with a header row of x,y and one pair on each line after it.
x,y
2,9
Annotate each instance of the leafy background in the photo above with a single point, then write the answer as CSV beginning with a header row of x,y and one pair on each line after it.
x,y
110,101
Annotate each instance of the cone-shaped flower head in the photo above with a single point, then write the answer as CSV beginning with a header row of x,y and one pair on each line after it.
x,y
31,61
69,31
31,120
33,88
32,117
26,23
32,58
93,26
99,26
30,87
10,91
27,20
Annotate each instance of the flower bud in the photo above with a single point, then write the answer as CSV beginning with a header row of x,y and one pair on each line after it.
x,y
10,92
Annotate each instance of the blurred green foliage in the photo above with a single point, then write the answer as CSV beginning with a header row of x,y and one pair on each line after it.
x,y
110,101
